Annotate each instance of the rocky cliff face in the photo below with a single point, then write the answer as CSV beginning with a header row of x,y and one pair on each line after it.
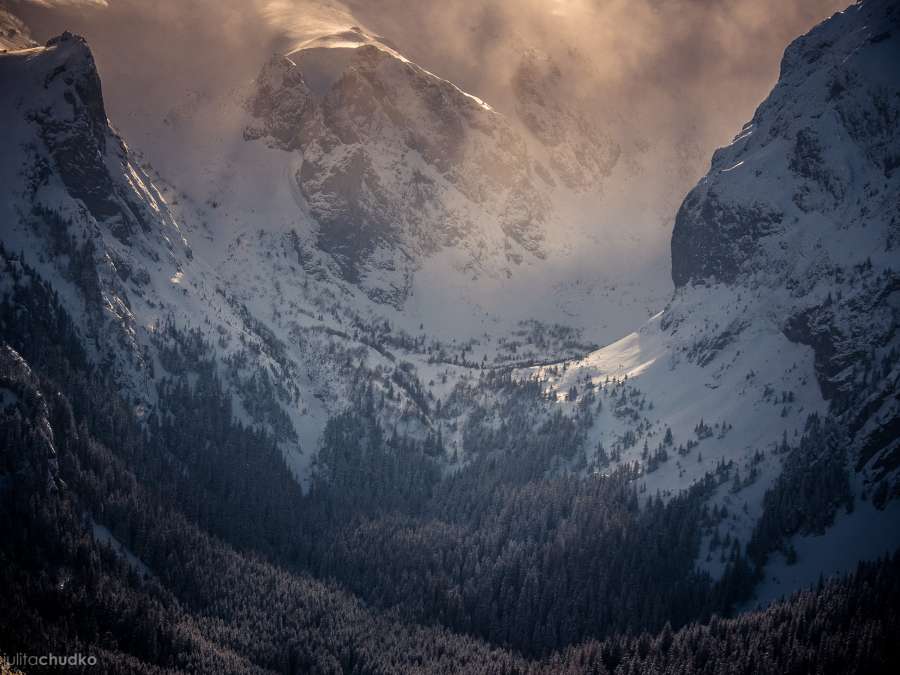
x,y
78,209
398,164
71,189
77,141
802,213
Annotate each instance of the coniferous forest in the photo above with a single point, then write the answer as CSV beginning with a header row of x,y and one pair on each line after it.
x,y
383,566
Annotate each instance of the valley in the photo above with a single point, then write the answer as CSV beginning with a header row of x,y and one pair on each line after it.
x,y
340,368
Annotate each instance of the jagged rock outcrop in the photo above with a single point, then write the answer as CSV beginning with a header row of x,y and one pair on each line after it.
x,y
75,201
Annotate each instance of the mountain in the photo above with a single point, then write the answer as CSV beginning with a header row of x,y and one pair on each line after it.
x,y
79,207
397,164
402,172
826,238
801,211
785,312
73,198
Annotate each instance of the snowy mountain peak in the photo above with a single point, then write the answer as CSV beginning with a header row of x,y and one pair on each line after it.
x,y
398,164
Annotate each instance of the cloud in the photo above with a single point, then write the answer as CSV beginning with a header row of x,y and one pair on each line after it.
x,y
66,3
687,66
693,64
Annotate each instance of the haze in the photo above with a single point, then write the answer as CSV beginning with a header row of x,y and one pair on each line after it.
x,y
667,81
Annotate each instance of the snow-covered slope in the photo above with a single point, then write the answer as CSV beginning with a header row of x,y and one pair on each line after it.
x,y
432,199
787,302
78,209
802,212
72,199
499,221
